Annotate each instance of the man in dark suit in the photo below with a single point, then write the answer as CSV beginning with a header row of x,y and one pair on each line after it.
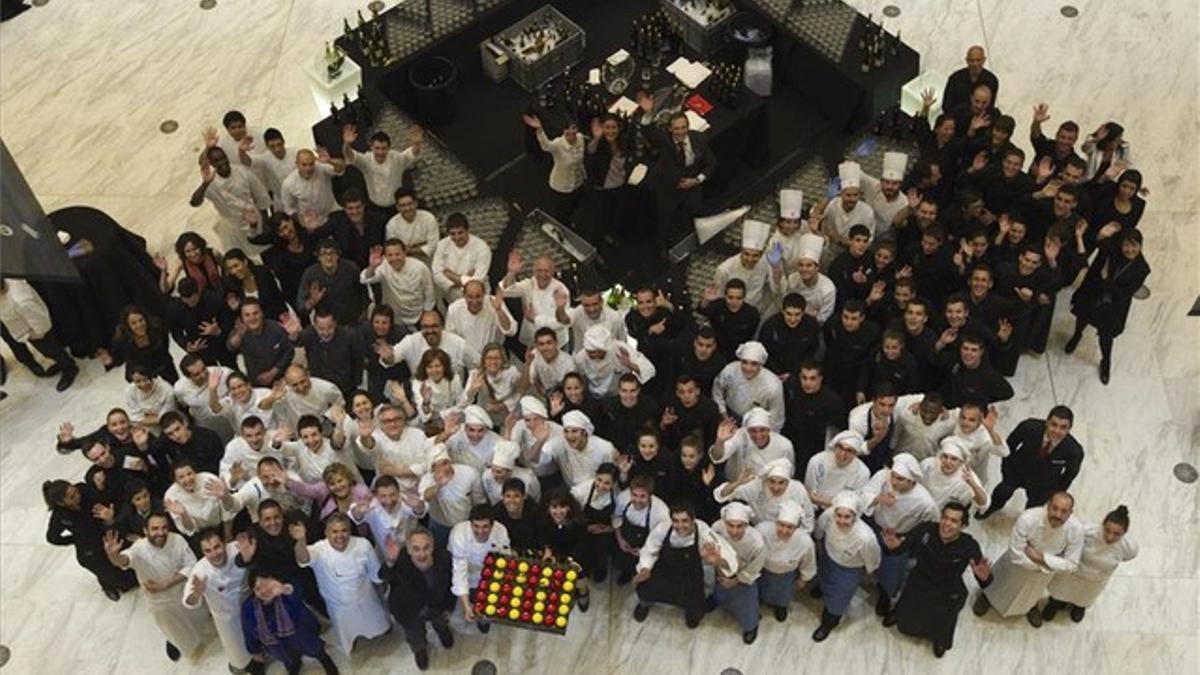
x,y
685,162
1044,458
964,80
419,579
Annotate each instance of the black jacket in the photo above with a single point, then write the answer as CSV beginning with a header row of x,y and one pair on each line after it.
x,y
1040,475
410,593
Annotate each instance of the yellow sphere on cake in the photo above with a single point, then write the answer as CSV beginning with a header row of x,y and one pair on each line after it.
x,y
561,622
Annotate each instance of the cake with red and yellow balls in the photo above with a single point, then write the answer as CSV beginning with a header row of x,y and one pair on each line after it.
x,y
526,592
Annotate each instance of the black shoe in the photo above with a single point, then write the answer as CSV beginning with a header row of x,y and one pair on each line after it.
x,y
1104,372
172,652
624,578
327,663
981,605
641,612
1051,609
815,592
444,635
781,614
889,620
583,602
938,650
422,659
1034,617
483,626
883,605
66,379
750,636
53,370
1073,343
112,594
1077,614
692,621
822,632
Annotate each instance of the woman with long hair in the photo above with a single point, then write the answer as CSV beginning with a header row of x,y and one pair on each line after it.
x,y
289,254
436,387
197,261
561,536
244,279
77,520
496,385
140,340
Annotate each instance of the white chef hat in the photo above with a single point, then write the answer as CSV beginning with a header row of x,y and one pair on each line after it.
x,y
894,164
906,466
849,438
791,203
777,468
790,512
598,337
846,500
575,419
811,246
756,417
736,512
755,234
504,454
438,453
544,321
532,405
474,414
752,350
954,446
850,174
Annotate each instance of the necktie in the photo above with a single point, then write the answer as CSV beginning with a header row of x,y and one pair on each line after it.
x,y
682,154
1044,451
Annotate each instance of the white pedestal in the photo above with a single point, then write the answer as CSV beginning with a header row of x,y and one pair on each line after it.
x,y
326,91
910,93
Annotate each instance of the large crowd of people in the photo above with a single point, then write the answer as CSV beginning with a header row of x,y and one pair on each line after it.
x,y
361,416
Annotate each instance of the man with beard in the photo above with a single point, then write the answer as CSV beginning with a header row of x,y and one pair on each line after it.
x,y
482,319
217,581
418,577
883,194
160,560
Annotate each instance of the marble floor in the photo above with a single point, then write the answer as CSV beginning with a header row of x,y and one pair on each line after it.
x,y
84,86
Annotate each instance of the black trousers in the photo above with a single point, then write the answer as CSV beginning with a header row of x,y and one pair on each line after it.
x,y
674,209
414,629
1007,486
110,576
47,345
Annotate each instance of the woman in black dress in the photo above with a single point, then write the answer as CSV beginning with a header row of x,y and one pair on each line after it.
x,y
289,255
561,537
244,279
1117,207
693,479
141,340
76,519
934,593
1104,297
573,394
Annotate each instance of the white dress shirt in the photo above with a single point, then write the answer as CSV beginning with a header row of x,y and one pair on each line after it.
x,y
408,290
467,554
420,235
797,553
472,259
384,178
567,174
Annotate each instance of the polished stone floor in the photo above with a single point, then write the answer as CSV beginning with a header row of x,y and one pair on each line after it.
x,y
85,85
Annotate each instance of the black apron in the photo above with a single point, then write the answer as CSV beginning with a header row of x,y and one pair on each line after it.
x,y
634,535
677,578
595,549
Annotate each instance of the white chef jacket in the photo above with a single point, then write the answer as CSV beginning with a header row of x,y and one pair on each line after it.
x,y
236,412
205,509
756,278
453,501
238,450
196,400
159,400
945,488
411,450
610,318
542,301
471,259
22,311
790,243
861,417
300,194
797,553
766,506
467,554
253,493
478,456
841,221
549,375
1097,563
408,290
856,547
913,436
310,466
751,551
647,517
819,299
911,508
735,395
223,591
504,389
272,170
384,178
567,173
658,534
420,235
578,466
413,346
602,374
320,398
741,452
824,477
1018,582
346,580
231,196
495,490
599,500
885,210
185,628
397,524
523,437
478,329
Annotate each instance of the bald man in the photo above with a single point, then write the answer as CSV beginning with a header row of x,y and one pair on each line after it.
x,y
963,81
307,192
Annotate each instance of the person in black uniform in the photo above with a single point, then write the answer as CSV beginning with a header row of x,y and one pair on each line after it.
x,y
418,578
199,320
693,478
791,337
181,439
810,409
671,565
892,364
703,361
596,545
562,535
849,341
77,519
732,319
972,378
1104,297
627,413
963,81
688,412
517,513
1044,458
632,534
934,592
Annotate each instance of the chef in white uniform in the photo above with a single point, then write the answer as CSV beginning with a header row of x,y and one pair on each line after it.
x,y
602,361
197,500
450,490
533,430
976,428
921,422
746,384
408,286
837,469
416,227
191,391
949,479
789,229
749,449
592,311
391,513
400,451
313,453
307,192
459,257
883,194
1046,540
473,442
1105,547
848,551
544,297
220,583
503,467
896,502
470,543
749,265
162,561
769,490
791,559
845,211
818,290
347,571
737,593
577,451
479,318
